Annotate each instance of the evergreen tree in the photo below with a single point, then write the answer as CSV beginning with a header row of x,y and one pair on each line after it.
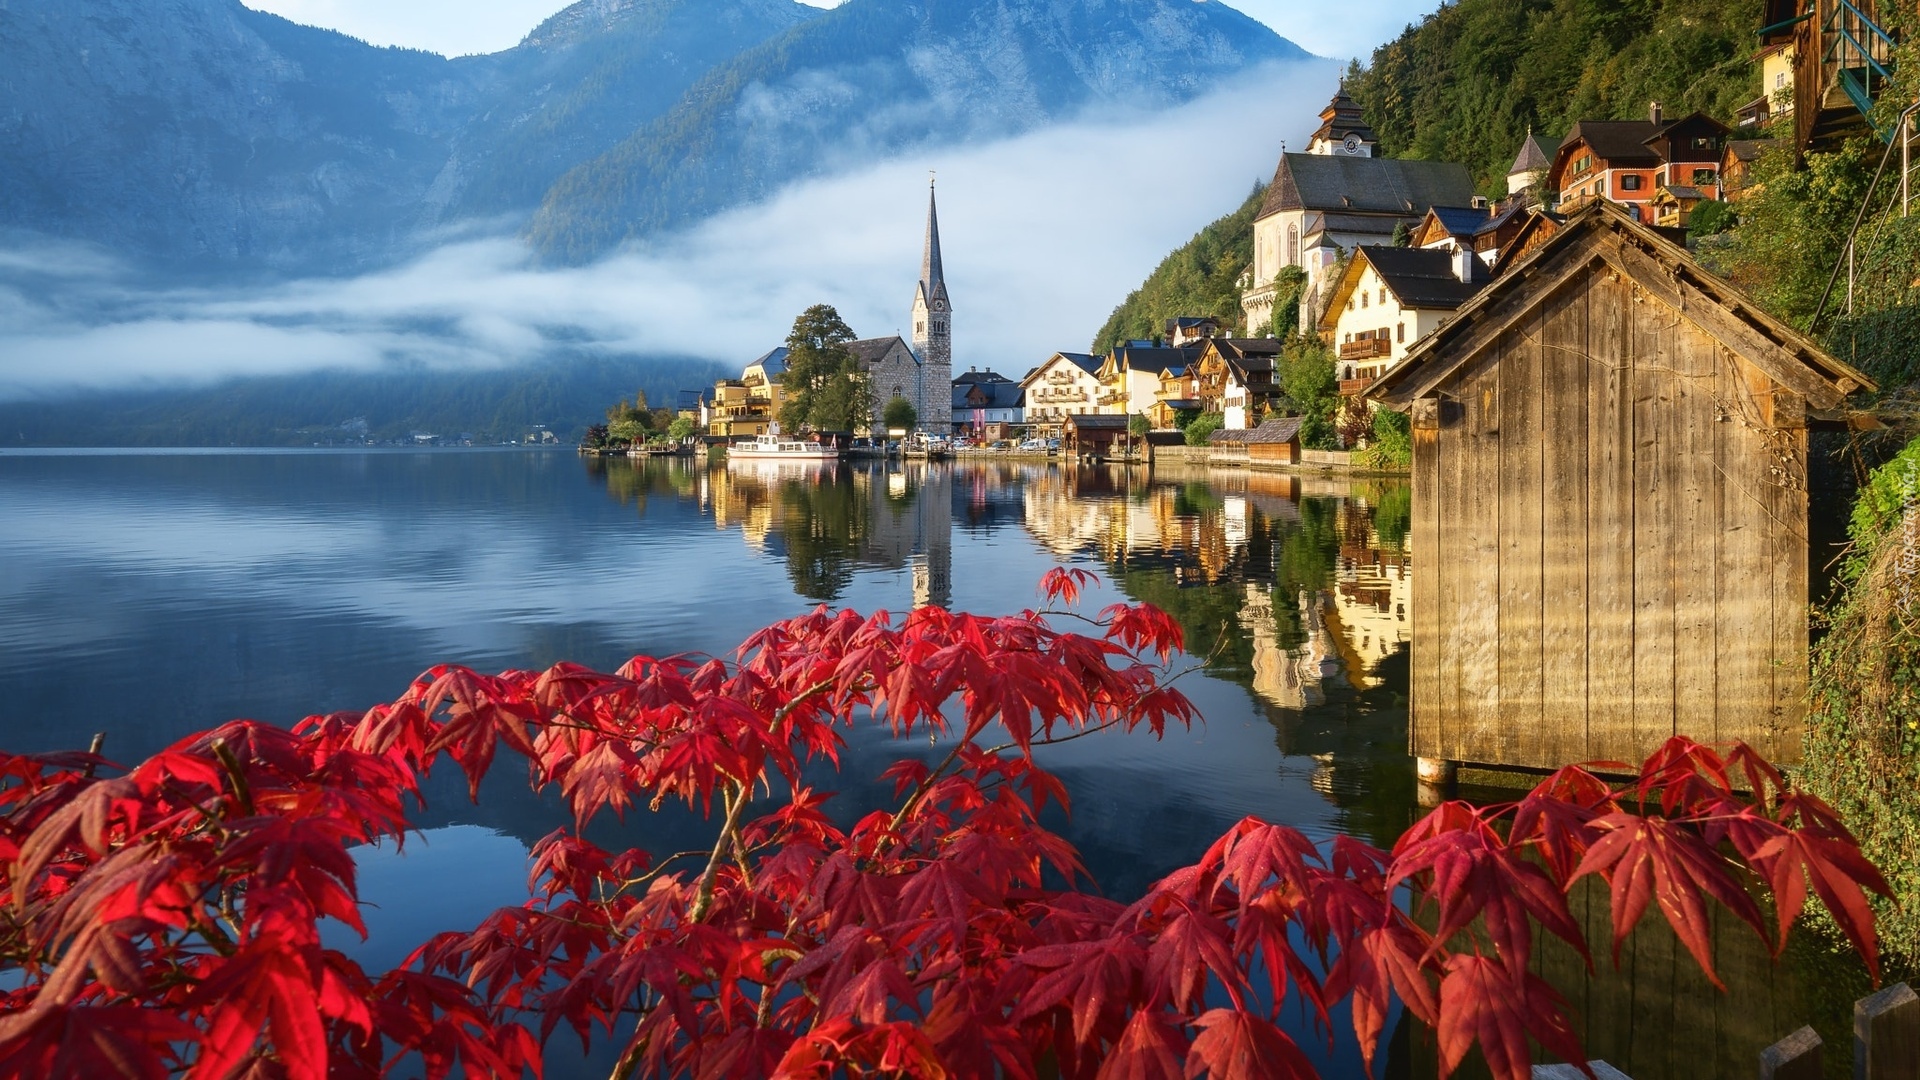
x,y
825,387
900,414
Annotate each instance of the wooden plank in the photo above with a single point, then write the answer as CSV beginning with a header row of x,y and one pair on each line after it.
x,y
1697,528
1476,625
1655,537
1728,328
1743,589
1517,486
1610,522
1787,660
1442,626
1886,1035
1565,372
1796,1057
1425,711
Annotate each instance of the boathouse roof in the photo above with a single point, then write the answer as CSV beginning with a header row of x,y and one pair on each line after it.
x,y
1605,236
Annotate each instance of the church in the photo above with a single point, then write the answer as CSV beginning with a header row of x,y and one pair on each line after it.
x,y
923,372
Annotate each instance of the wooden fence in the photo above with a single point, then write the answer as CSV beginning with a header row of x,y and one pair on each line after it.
x,y
1886,1046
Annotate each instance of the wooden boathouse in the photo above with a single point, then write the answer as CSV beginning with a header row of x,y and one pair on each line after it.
x,y
1609,508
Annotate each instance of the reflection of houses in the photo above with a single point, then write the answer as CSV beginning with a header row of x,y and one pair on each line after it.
x,y
1068,384
893,371
987,404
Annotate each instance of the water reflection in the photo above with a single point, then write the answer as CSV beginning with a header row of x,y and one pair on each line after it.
x,y
152,595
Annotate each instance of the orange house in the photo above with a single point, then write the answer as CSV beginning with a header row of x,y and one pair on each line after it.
x,y
1627,162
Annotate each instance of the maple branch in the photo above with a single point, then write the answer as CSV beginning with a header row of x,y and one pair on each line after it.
x,y
241,792
703,899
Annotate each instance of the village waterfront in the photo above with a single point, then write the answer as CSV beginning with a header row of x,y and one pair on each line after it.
x,y
152,594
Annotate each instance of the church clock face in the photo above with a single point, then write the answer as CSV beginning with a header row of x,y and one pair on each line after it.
x,y
938,306
1351,144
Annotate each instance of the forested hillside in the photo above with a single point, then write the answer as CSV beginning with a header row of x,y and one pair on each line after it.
x,y
334,407
1199,279
1469,81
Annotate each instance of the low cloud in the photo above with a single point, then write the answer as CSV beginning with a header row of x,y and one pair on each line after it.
x,y
1042,235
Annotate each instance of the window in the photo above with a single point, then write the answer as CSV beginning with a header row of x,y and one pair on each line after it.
x,y
1779,80
1293,245
1363,299
1629,183
1704,178
1402,335
1582,164
1383,297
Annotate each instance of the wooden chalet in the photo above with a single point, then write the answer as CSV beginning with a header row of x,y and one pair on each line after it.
x,y
1095,434
1275,442
1610,508
1236,377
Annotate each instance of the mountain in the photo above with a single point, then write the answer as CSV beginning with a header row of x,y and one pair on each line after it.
x,y
874,77
203,134
563,393
1201,279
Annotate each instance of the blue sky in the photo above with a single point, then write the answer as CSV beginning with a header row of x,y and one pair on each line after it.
x,y
456,27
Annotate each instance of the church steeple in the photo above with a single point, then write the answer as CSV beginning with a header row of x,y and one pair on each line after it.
x,y
931,274
932,330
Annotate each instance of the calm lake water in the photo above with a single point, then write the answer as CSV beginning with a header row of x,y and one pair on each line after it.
x,y
148,595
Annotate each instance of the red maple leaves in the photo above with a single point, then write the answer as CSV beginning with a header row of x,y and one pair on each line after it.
x,y
167,921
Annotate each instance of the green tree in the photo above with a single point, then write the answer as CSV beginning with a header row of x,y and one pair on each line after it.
x,y
1307,379
681,427
825,387
899,414
1202,426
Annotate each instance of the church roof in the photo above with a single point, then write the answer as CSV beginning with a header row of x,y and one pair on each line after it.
x,y
1341,117
933,276
1536,154
871,351
1365,185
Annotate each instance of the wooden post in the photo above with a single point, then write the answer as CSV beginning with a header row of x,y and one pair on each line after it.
x,y
1796,1057
1886,1035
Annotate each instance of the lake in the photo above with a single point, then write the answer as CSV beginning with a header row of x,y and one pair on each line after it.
x,y
146,595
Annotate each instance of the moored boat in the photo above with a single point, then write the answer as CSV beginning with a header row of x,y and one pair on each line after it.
x,y
780,448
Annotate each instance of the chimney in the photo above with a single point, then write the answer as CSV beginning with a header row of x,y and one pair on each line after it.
x,y
1479,202
1466,265
1653,112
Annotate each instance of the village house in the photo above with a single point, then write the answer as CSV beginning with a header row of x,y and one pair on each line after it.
x,y
1481,228
1179,393
1628,161
1776,86
1736,166
1275,442
1067,384
1132,375
987,405
1236,378
1098,435
1190,331
1610,486
1390,298
1334,198
750,404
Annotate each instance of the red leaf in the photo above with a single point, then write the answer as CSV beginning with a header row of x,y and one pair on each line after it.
x,y
1484,1001
1233,1045
1151,1048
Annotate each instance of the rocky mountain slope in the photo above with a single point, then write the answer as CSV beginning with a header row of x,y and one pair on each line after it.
x,y
201,133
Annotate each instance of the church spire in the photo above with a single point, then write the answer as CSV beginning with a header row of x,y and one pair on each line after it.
x,y
932,277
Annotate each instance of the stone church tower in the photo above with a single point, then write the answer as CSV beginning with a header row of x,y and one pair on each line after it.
x,y
933,334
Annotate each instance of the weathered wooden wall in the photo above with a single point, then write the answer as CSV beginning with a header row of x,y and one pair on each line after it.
x,y
1609,539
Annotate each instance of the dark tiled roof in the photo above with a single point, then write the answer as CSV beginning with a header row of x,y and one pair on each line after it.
x,y
1461,220
1366,185
1228,435
1682,191
1086,362
998,395
1104,421
1748,149
1421,277
691,399
981,377
1618,142
1535,153
1375,224
1248,348
1274,432
872,350
1134,358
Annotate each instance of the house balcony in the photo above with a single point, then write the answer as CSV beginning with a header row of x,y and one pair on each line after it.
x,y
1353,387
1366,349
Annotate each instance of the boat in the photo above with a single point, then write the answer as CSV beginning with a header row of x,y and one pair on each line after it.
x,y
776,447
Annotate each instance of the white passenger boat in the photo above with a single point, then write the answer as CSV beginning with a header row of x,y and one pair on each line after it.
x,y
778,447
